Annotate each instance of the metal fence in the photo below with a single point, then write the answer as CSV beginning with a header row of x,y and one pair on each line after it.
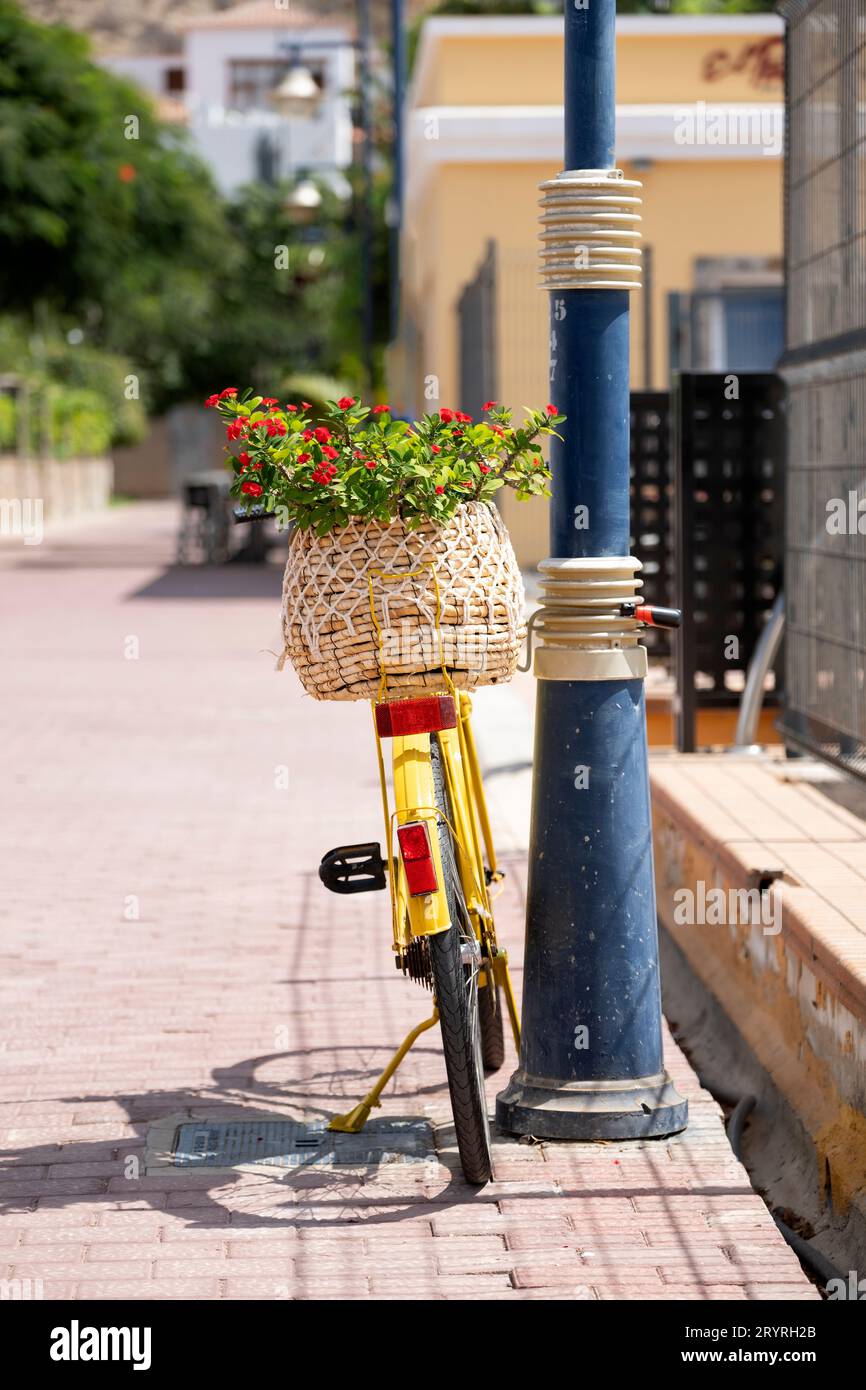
x,y
651,493
825,371
729,461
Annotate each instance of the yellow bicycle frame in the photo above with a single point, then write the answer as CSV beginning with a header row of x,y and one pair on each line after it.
x,y
469,826
415,800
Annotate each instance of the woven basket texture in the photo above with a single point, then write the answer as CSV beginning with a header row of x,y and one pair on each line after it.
x,y
332,640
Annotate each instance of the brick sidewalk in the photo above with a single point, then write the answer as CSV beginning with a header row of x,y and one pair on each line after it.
x,y
168,951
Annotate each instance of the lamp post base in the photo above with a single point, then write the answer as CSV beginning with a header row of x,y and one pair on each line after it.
x,y
643,1107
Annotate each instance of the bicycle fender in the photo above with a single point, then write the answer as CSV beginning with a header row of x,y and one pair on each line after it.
x,y
415,800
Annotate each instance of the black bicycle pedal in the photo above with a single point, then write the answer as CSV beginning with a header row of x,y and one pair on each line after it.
x,y
353,869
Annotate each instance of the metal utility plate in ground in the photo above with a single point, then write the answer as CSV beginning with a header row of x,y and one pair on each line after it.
x,y
292,1144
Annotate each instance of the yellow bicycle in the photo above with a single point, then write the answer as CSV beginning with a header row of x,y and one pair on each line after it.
x,y
439,866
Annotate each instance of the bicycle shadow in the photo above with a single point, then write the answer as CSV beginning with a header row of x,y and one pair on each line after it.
x,y
65,1173
213,583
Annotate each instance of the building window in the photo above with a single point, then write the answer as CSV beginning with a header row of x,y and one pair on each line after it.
x,y
175,79
251,81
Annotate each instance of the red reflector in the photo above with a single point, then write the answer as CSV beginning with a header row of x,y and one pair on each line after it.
x,y
426,715
414,842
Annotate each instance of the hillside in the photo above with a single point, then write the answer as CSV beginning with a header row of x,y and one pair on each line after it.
x,y
149,26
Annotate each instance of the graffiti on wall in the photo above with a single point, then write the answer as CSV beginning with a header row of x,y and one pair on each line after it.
x,y
763,62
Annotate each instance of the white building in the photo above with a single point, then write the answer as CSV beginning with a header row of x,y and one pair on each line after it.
x,y
220,85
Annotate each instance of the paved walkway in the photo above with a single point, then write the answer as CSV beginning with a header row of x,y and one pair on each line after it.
x,y
168,951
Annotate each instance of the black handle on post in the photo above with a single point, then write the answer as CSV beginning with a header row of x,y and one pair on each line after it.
x,y
651,615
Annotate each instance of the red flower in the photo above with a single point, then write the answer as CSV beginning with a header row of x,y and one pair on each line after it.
x,y
324,474
229,391
304,458
440,489
463,418
236,429
381,410
330,453
243,457
276,426
291,409
551,410
306,405
252,489
468,484
446,416
126,173
308,435
484,468
497,429
489,405
370,463
346,402
322,434
269,400
434,449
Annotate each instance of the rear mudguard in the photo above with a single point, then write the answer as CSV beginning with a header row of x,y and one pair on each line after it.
x,y
414,800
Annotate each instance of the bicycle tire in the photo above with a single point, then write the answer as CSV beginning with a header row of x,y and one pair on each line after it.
x,y
456,989
492,1027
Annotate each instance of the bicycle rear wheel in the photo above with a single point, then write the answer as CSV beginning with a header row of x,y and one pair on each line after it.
x,y
455,960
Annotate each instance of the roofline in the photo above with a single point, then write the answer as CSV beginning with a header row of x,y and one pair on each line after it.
x,y
482,26
216,19
442,27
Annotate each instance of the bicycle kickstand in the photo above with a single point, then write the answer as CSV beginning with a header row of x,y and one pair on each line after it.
x,y
353,1122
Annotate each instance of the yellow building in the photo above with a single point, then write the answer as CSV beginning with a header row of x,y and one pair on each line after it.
x,y
699,123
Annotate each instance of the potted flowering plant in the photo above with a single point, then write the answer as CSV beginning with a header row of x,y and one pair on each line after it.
x,y
377,502
361,463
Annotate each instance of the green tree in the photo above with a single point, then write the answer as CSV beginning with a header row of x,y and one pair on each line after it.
x,y
107,220
289,294
127,241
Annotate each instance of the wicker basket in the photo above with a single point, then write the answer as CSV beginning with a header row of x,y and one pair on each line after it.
x,y
366,598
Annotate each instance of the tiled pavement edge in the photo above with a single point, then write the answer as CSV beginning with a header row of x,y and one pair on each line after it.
x,y
168,950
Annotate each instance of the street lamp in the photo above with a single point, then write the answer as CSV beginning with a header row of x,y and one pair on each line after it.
x,y
304,197
298,94
294,96
591,1064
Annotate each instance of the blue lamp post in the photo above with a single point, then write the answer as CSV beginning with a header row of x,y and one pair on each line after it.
x,y
591,1064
